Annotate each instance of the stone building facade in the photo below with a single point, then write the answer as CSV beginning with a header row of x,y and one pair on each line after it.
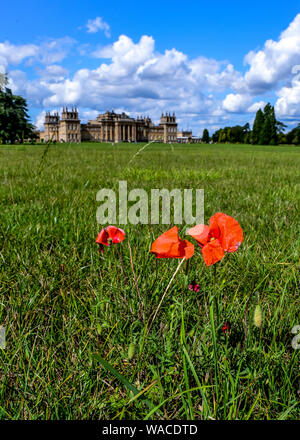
x,y
108,127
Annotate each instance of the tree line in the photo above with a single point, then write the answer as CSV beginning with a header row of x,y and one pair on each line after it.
x,y
266,130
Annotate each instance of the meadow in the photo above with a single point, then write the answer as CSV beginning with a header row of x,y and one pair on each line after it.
x,y
78,340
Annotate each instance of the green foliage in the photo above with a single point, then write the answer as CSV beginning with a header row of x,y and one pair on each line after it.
x,y
205,136
257,127
14,120
268,134
293,137
266,130
236,134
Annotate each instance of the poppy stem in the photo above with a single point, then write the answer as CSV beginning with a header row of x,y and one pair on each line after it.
x,y
187,267
165,292
216,295
246,324
121,263
214,301
136,283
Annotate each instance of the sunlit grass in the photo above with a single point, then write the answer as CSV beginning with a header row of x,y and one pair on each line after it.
x,y
62,303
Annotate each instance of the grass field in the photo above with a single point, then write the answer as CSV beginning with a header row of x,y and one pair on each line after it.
x,y
63,304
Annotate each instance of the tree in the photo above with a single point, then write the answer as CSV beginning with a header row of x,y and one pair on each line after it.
x,y
205,136
266,133
266,128
293,136
269,130
215,136
14,120
257,127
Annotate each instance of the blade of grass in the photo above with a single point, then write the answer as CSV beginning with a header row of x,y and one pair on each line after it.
x,y
190,413
123,380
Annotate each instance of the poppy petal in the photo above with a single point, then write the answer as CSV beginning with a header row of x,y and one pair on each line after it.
x,y
227,230
163,244
212,252
116,234
169,245
199,233
102,238
189,249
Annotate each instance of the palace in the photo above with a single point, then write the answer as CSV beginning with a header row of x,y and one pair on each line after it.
x,y
108,127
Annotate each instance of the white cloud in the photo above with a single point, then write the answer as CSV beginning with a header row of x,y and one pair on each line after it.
x,y
35,90
54,72
288,103
96,24
256,106
135,76
16,54
274,62
48,52
236,103
55,50
11,54
268,68
39,122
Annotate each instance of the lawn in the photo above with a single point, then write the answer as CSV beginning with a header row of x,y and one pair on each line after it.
x,y
75,321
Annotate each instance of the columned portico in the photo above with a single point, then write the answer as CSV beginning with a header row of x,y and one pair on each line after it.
x,y
134,133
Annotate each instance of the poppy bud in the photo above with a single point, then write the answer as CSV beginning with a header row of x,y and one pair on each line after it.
x,y
257,319
131,351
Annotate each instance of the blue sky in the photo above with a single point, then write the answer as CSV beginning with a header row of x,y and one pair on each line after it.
x,y
213,63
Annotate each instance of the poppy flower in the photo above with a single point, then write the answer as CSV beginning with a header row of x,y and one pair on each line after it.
x,y
226,327
223,234
169,245
194,287
109,235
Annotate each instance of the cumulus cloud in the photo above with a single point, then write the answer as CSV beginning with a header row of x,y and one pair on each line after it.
x,y
268,69
239,103
55,50
137,77
274,62
48,52
96,24
256,106
54,72
11,54
288,103
39,122
236,103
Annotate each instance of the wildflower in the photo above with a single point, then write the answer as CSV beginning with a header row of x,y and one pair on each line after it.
x,y
226,327
194,287
223,234
169,245
108,235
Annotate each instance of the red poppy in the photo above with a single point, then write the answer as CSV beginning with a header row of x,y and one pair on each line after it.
x,y
109,235
223,234
169,245
194,287
226,327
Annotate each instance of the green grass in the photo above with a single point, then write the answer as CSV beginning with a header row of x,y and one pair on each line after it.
x,y
78,343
